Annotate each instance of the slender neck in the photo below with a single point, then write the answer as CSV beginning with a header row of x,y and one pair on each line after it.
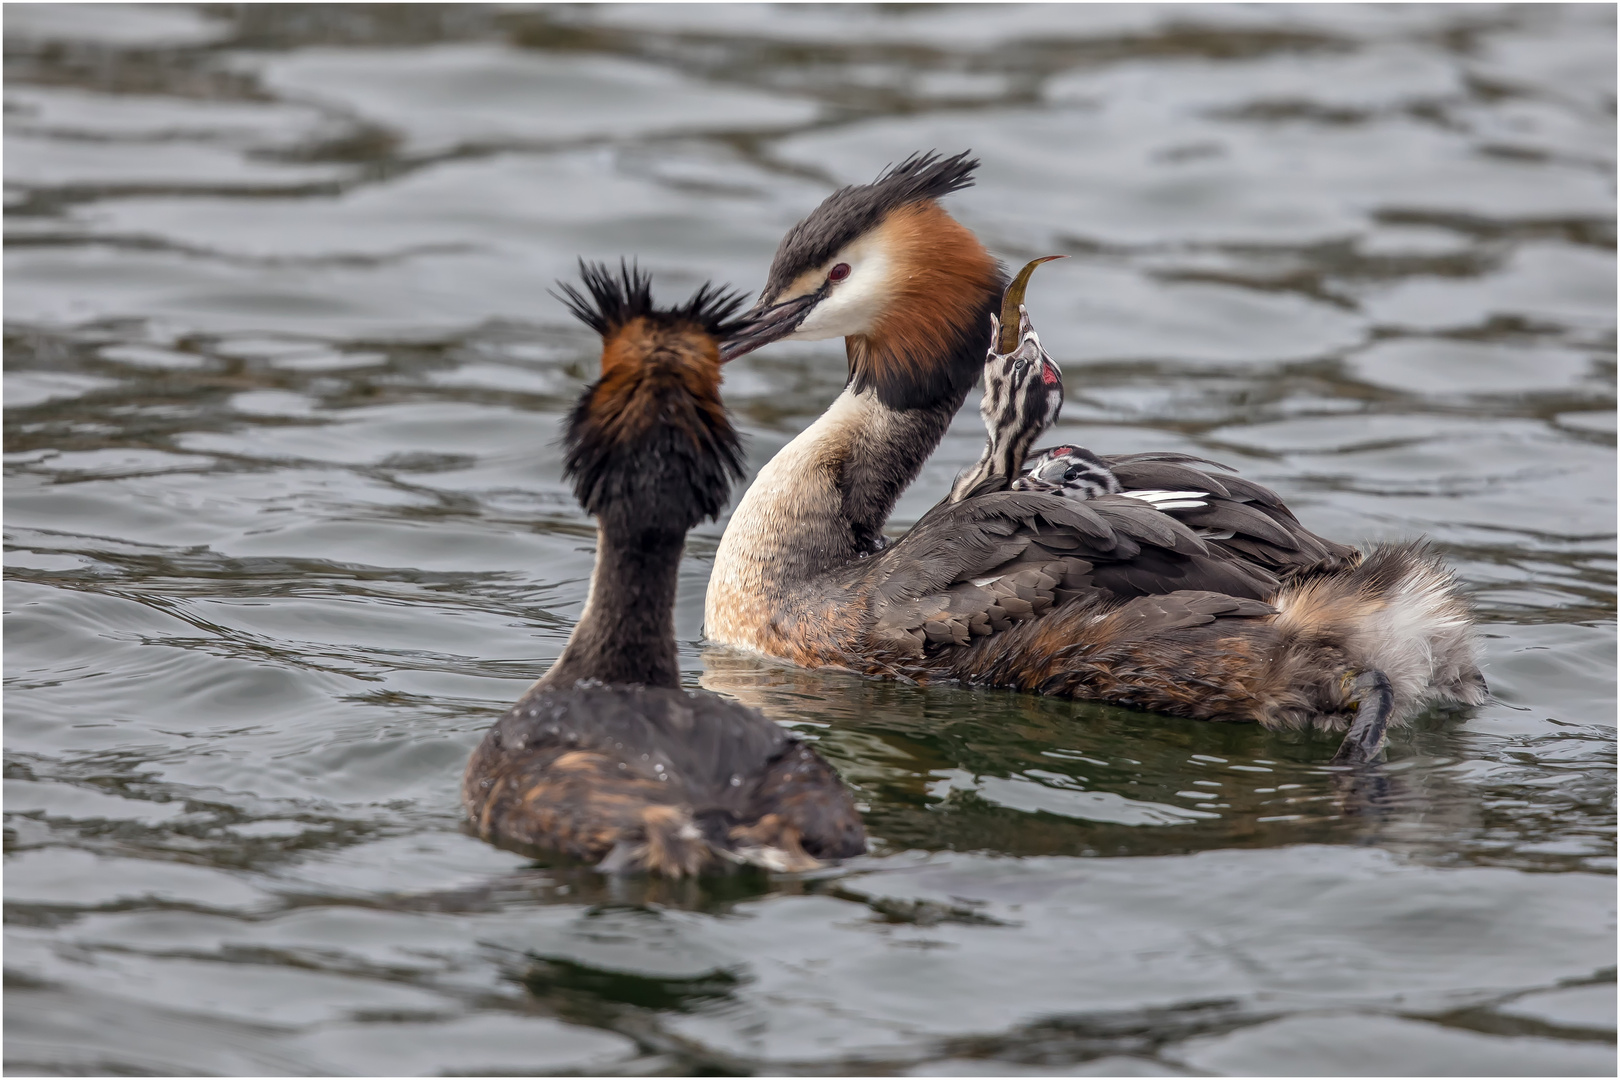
x,y
627,632
825,498
819,504
1011,428
822,502
877,452
998,464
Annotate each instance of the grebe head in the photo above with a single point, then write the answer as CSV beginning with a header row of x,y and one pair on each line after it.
x,y
1071,471
884,265
1023,386
649,443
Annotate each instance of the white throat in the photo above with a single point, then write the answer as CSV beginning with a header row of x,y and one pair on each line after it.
x,y
791,514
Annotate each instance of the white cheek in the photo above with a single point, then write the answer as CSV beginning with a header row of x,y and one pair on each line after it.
x,y
823,322
853,305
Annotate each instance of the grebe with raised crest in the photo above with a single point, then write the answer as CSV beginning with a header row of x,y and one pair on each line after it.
x,y
607,758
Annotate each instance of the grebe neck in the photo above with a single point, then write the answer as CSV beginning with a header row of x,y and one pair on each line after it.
x,y
822,502
819,504
626,634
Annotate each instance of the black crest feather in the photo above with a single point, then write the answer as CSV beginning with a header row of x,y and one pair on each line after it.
x,y
851,211
652,446
616,299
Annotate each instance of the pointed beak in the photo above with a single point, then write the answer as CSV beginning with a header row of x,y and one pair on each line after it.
x,y
765,324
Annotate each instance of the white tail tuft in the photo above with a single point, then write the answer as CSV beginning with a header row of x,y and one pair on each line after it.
x,y
1401,612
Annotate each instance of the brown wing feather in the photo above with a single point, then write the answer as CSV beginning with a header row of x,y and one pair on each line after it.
x,y
1264,532
974,569
1200,655
1291,663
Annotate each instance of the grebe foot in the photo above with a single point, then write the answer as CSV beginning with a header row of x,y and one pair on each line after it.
x,y
773,844
1375,699
670,844
626,857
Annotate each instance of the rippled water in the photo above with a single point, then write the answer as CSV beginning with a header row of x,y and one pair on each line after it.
x,y
285,532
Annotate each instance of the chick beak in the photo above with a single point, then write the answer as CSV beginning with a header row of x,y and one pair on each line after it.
x,y
765,323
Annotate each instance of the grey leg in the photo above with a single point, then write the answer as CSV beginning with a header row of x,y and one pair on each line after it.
x,y
1365,738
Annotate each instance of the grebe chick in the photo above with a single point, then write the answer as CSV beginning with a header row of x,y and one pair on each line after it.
x,y
1072,472
1109,598
606,758
1023,396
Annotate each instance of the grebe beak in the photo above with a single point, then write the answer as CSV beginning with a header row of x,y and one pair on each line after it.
x,y
1010,303
764,324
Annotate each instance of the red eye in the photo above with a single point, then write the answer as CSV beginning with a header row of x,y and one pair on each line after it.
x,y
839,272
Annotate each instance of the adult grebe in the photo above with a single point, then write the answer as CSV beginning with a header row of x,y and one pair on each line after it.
x,y
606,758
1022,588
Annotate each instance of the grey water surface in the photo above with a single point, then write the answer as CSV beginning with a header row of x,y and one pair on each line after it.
x,y
285,532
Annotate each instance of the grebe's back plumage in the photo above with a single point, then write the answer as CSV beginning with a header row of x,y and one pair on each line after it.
x,y
650,778
606,758
1307,657
1010,587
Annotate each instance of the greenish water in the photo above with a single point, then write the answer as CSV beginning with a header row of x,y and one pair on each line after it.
x,y
285,532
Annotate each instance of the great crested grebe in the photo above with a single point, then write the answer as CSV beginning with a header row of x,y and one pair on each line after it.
x,y
606,758
1108,598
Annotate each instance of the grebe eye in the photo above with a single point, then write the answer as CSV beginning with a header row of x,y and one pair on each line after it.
x,y
839,272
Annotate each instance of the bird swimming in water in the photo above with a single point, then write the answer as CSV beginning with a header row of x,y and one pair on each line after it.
x,y
607,758
1109,598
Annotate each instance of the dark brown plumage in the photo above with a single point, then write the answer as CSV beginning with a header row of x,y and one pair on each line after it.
x,y
671,781
1291,662
606,758
1008,587
651,437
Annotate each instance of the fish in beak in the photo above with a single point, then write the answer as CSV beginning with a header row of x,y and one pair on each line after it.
x,y
1009,330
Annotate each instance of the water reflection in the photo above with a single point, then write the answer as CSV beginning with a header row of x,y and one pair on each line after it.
x,y
965,770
